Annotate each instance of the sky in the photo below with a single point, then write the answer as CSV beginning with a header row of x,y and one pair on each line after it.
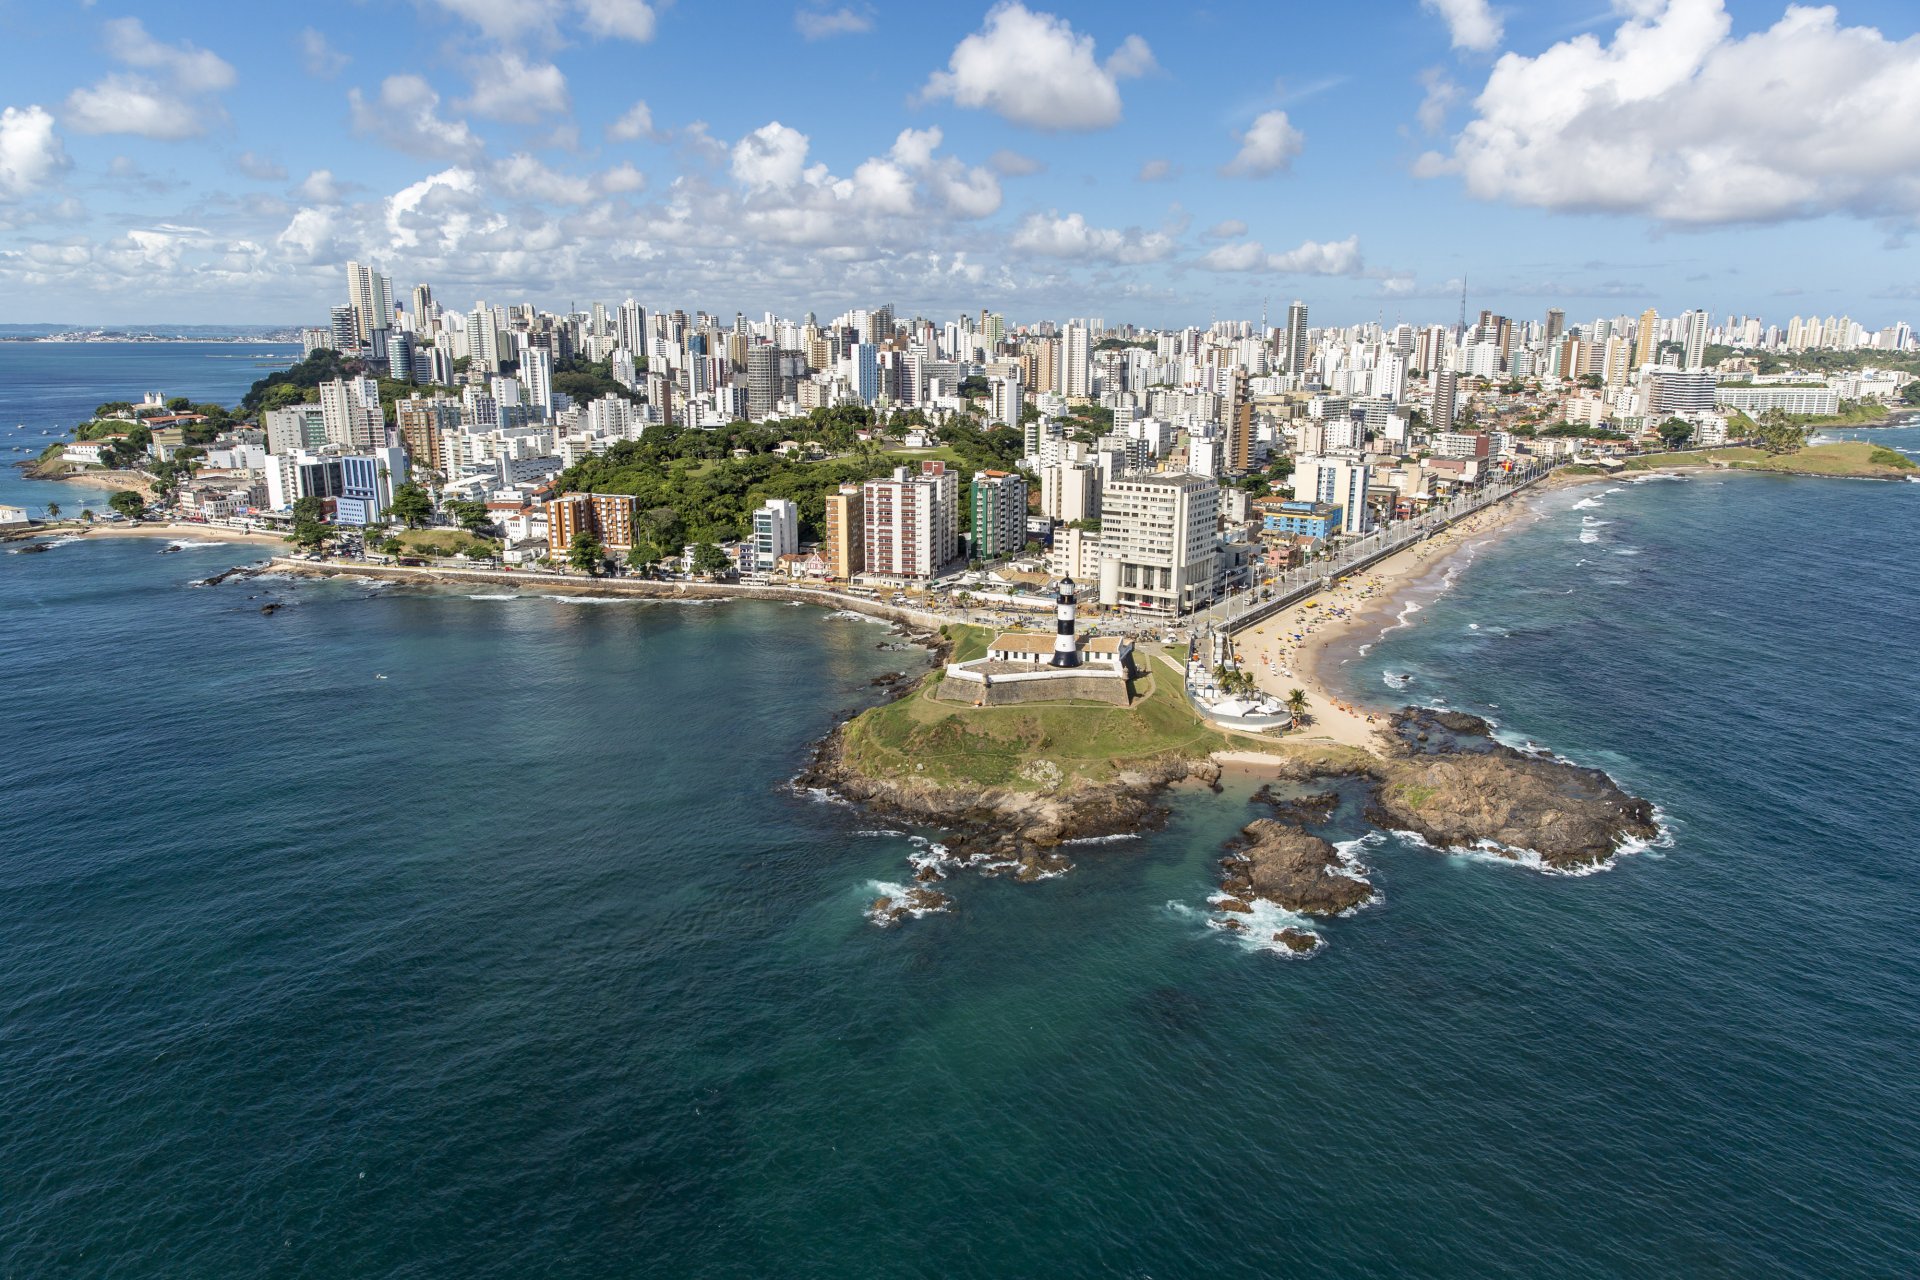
x,y
213,162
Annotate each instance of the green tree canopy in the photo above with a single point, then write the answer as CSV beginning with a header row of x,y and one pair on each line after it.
x,y
412,505
128,503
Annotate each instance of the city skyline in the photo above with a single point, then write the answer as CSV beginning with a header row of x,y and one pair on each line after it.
x,y
209,164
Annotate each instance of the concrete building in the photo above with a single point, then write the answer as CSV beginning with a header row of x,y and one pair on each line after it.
x,y
1158,545
1070,492
776,533
1754,401
422,424
911,522
1340,482
845,544
997,521
607,516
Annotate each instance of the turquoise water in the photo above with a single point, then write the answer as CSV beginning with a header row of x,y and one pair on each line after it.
x,y
46,389
521,960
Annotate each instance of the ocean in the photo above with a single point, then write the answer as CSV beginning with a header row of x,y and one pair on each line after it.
x,y
49,388
417,932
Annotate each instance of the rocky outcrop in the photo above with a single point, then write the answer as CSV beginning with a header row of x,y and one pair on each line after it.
x,y
1505,801
1284,865
1315,808
889,910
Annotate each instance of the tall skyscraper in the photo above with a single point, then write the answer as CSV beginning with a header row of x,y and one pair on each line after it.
x,y
845,544
763,380
1646,341
1239,422
1693,338
1556,323
997,526
1077,357
1446,393
912,521
371,296
1296,352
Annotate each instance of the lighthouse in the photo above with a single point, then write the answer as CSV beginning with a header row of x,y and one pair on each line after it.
x,y
1066,651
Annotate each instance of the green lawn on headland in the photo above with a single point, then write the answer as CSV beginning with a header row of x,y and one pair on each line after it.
x,y
1849,458
443,542
955,744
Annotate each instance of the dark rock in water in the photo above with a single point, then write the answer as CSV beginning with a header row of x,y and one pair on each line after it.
x,y
1297,940
1569,815
32,547
929,874
1283,864
1316,808
1233,926
890,911
270,608
1234,905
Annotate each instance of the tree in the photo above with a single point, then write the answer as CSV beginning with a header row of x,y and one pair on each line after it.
x,y
412,505
310,529
586,554
472,516
1777,433
1297,704
710,560
128,503
1675,432
53,511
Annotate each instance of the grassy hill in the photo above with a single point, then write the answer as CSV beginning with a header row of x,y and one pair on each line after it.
x,y
1854,458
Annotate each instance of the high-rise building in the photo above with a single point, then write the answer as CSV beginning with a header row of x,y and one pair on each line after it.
x,y
351,410
912,521
776,533
1446,398
1646,339
997,526
423,423
1556,323
1239,422
1006,401
763,380
1341,482
371,296
1077,361
1070,492
1693,339
1296,349
536,371
845,544
1159,549
607,516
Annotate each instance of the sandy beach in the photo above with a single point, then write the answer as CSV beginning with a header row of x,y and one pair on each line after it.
x,y
172,531
1285,652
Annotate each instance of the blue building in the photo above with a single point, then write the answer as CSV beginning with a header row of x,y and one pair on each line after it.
x,y
1291,519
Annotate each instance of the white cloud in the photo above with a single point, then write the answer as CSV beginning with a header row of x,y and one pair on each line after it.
x,y
1011,164
622,178
260,167
1052,236
1156,171
1470,23
636,124
1033,69
132,105
1441,94
190,67
503,19
508,87
1231,229
30,151
407,117
1312,258
319,187
1675,119
525,177
1267,147
618,19
818,24
320,58
772,157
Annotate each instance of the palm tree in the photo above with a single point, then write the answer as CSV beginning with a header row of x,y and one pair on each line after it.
x,y
1297,704
53,511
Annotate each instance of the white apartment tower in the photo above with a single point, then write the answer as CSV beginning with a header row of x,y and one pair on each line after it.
x,y
912,521
1077,356
1159,550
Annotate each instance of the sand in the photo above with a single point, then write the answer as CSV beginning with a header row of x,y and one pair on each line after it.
x,y
172,531
1280,662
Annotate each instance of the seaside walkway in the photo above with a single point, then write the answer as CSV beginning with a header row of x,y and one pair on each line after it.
x,y
1236,614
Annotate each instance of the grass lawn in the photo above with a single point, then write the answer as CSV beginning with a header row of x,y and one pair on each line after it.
x,y
942,453
440,542
958,745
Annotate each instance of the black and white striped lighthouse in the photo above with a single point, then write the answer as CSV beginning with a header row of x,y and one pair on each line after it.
x,y
1066,650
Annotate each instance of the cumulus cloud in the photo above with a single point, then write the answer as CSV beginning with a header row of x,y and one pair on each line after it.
x,y
818,24
1267,147
1471,24
772,157
30,151
1052,236
406,116
1676,119
1034,69
319,187
1311,258
320,58
618,19
1441,94
188,65
636,123
132,105
508,87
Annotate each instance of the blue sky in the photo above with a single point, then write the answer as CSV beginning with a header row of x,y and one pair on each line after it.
x,y
216,162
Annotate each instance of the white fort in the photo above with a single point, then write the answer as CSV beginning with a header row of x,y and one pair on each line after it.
x,y
1028,666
